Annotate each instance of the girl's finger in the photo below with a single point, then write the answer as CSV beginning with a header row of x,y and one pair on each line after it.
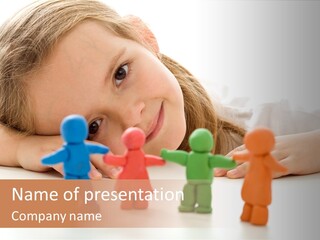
x,y
237,149
59,168
238,172
112,171
105,170
94,173
287,163
219,172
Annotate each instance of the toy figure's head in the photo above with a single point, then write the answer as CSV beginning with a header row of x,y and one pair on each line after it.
x,y
74,129
133,138
259,141
201,140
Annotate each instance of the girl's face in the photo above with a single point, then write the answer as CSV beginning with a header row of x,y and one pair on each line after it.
x,y
114,83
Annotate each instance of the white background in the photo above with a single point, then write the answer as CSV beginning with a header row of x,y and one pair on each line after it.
x,y
262,50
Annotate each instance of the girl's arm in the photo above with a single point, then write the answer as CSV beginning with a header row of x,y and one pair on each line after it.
x,y
17,150
299,153
9,141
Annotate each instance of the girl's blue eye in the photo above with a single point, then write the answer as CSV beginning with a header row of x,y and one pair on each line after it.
x,y
94,128
121,74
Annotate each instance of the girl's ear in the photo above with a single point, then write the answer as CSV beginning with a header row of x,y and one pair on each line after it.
x,y
145,33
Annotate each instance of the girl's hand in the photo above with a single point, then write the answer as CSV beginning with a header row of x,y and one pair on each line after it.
x,y
32,148
299,153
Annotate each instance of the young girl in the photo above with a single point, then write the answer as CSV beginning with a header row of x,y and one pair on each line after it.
x,y
80,57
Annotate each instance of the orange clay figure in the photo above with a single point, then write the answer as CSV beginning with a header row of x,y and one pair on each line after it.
x,y
134,163
256,190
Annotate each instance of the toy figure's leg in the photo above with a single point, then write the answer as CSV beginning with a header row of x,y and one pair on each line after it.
x,y
127,204
204,197
246,212
68,176
141,203
189,198
259,215
84,177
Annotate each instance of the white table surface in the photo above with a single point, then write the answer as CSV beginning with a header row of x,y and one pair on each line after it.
x,y
293,214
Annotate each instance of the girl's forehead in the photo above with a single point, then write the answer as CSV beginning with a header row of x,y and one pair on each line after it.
x,y
87,44
91,33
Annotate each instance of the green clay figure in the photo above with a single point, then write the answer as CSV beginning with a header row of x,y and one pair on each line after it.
x,y
199,163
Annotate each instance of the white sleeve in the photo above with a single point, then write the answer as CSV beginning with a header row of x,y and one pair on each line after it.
x,y
283,118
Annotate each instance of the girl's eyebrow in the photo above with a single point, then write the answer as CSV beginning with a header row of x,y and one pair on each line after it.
x,y
114,61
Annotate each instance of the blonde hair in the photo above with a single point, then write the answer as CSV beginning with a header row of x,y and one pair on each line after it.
x,y
29,37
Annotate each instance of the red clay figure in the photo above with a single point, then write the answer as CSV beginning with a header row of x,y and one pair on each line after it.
x,y
134,163
256,190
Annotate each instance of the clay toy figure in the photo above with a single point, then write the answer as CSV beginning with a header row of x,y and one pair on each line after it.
x,y
134,165
256,190
199,164
75,152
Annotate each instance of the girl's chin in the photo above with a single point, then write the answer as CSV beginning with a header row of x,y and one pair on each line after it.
x,y
153,150
172,141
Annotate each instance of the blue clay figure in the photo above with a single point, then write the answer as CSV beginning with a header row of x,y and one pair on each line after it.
x,y
75,152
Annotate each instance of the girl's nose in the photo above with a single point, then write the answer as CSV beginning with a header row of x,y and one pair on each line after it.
x,y
131,114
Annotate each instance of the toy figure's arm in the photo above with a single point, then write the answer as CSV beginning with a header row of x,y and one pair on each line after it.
x,y
221,161
114,160
178,156
95,148
271,163
154,160
241,157
60,155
